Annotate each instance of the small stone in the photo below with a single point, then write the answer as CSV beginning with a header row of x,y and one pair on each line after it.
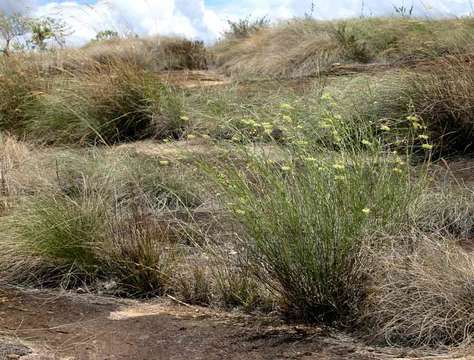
x,y
13,356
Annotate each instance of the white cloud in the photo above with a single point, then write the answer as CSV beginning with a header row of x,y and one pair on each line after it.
x,y
189,18
197,19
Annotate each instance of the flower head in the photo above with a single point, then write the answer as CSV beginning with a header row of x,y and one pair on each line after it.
x,y
286,106
366,211
427,146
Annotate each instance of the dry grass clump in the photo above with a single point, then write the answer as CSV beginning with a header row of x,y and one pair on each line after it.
x,y
449,211
443,98
423,294
182,54
12,155
153,54
19,82
293,49
304,47
18,163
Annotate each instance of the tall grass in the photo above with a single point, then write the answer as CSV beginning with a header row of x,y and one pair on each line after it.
x,y
105,220
307,217
18,86
437,101
116,103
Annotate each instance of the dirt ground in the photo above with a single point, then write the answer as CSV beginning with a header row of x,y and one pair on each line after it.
x,y
40,325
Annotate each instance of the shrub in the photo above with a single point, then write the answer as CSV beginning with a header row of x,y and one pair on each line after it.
x,y
180,54
244,28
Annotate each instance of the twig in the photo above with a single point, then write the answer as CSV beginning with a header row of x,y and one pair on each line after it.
x,y
180,302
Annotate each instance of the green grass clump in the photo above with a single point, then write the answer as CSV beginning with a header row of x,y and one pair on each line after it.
x,y
118,103
108,218
62,229
308,214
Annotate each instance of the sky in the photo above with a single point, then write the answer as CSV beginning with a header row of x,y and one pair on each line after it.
x,y
207,19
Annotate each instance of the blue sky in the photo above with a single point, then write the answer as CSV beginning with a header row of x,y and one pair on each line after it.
x,y
207,19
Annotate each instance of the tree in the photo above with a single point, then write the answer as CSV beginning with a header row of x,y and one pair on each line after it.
x,y
44,29
12,27
106,35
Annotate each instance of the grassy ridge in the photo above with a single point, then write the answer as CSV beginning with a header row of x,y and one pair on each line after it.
x,y
315,201
304,47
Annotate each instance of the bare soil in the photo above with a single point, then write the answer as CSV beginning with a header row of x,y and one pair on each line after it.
x,y
44,325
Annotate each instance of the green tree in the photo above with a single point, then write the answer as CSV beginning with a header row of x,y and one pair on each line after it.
x,y
106,35
44,29
12,27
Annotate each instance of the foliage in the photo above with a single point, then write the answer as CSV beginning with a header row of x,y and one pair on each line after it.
x,y
246,27
47,28
106,35
12,27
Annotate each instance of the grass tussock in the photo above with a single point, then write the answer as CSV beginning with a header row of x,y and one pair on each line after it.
x,y
152,54
424,295
436,103
305,218
18,86
112,103
117,104
105,219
